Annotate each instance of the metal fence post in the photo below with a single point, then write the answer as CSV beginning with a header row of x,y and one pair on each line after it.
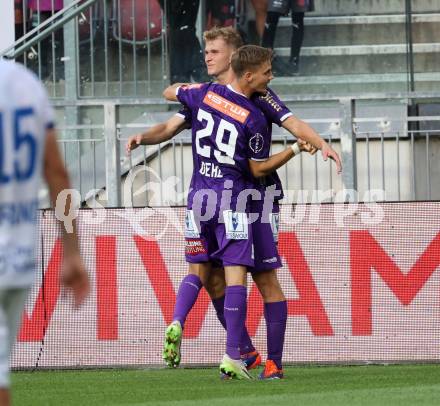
x,y
201,20
70,68
71,115
112,157
348,143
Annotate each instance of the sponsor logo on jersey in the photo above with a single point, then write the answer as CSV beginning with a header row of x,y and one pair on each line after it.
x,y
270,260
268,98
236,225
275,225
191,230
226,107
194,247
256,143
14,214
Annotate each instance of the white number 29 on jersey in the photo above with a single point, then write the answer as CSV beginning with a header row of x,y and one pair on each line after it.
x,y
225,151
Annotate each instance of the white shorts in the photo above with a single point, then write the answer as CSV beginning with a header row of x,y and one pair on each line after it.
x,y
12,302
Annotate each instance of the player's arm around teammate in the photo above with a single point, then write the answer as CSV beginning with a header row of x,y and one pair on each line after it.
x,y
298,128
170,92
161,132
302,130
275,161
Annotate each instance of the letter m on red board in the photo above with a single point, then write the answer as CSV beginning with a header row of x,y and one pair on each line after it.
x,y
367,254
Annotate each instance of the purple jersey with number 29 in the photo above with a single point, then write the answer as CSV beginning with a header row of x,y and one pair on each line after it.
x,y
227,130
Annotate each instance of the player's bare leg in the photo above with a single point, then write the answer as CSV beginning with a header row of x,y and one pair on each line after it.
x,y
269,286
215,283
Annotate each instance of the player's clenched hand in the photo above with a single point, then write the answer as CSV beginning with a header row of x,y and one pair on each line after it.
x,y
328,152
306,146
133,142
74,277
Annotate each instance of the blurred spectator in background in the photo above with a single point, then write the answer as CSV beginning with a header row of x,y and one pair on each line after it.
x,y
260,7
19,19
41,10
277,8
19,24
186,56
221,13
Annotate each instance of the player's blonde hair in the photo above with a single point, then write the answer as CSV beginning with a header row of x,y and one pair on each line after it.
x,y
228,34
249,58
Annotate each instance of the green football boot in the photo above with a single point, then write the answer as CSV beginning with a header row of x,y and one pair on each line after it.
x,y
171,346
233,369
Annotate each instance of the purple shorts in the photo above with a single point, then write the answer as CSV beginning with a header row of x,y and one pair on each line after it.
x,y
228,242
265,234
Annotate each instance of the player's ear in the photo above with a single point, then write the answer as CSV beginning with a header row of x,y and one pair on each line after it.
x,y
248,76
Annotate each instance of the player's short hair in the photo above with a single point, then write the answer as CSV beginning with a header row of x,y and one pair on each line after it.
x,y
230,35
249,58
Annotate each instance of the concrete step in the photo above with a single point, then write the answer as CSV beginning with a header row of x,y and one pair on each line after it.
x,y
311,20
354,83
368,59
359,30
300,85
358,50
368,7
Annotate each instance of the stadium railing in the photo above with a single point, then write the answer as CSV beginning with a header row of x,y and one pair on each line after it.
x,y
383,148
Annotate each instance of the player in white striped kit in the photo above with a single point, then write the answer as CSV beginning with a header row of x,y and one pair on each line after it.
x,y
28,149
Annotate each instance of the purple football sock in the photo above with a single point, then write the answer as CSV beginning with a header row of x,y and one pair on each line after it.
x,y
186,297
219,305
246,345
276,318
235,315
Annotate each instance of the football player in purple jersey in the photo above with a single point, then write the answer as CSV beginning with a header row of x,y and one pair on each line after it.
x,y
212,277
230,148
230,242
220,43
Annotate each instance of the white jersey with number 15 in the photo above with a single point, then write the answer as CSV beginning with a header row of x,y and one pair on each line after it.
x,y
25,117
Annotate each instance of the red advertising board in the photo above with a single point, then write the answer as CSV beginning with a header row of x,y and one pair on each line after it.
x,y
361,285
